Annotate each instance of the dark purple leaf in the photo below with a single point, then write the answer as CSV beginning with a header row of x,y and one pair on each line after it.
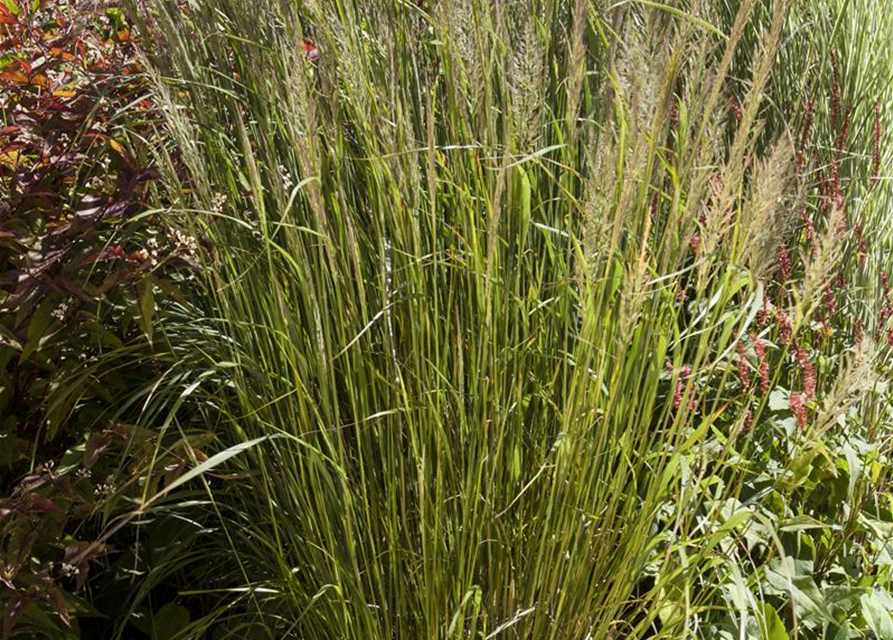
x,y
57,602
39,505
96,444
14,610
80,555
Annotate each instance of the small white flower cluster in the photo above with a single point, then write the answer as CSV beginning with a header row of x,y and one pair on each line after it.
x,y
69,570
186,244
105,489
94,184
287,182
83,474
60,312
153,247
218,203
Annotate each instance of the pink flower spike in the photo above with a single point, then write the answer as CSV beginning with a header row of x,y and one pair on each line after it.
x,y
798,409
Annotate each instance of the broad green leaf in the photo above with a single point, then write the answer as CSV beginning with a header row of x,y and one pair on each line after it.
x,y
843,600
779,399
169,621
147,306
877,616
804,523
795,577
772,626
211,463
854,467
37,328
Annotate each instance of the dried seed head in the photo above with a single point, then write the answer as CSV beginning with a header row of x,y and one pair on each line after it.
x,y
761,221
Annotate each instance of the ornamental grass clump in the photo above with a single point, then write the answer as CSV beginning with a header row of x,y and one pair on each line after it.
x,y
485,278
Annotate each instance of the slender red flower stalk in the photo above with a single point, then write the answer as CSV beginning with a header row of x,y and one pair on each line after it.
x,y
764,314
823,184
747,424
735,106
784,326
674,113
783,263
681,296
859,331
808,372
809,227
807,124
829,301
741,363
844,136
862,249
835,90
760,349
696,244
836,190
679,388
798,409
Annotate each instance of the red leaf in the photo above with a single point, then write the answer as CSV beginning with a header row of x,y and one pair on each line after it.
x,y
15,77
6,16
